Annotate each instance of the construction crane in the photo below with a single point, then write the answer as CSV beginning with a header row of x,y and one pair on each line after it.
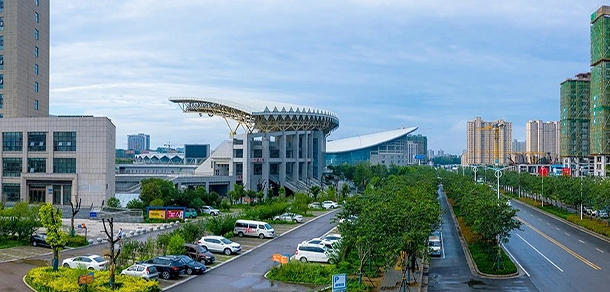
x,y
496,129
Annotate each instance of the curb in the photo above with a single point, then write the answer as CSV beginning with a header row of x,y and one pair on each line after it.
x,y
474,270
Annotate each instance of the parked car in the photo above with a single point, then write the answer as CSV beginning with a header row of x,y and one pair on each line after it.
x,y
253,228
332,238
190,213
602,214
290,217
329,205
315,205
210,210
144,271
215,243
192,267
89,262
199,253
39,239
318,241
435,244
168,266
311,253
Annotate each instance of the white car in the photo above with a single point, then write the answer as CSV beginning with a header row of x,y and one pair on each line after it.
x,y
220,244
210,210
318,241
315,205
144,271
329,205
332,238
89,262
290,217
311,253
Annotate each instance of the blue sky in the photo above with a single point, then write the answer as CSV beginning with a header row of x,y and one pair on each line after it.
x,y
378,64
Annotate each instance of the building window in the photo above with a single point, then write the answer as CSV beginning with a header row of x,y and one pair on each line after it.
x,y
35,86
64,141
37,165
1,23
11,167
37,141
35,69
35,48
64,165
36,17
12,141
36,2
36,34
1,5
11,192
1,100
36,104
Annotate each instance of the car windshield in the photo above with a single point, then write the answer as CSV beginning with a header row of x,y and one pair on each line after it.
x,y
99,259
187,260
267,226
201,248
435,243
226,241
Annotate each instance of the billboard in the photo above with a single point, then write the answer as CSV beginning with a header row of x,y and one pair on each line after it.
x,y
156,214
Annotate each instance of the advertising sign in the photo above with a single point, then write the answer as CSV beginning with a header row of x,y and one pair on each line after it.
x,y
175,214
156,214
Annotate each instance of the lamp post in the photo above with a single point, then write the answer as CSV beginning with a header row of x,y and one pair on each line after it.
x,y
580,174
542,198
498,174
475,173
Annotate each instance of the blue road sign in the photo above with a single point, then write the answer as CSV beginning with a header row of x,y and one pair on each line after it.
x,y
339,283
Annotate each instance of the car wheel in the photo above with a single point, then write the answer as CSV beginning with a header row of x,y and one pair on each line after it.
x,y
203,261
303,260
189,271
66,266
165,275
261,236
295,221
90,269
240,234
34,243
227,251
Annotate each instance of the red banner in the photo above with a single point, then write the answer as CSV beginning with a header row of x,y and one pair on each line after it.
x,y
565,171
543,171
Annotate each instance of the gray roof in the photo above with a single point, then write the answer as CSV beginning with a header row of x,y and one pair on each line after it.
x,y
365,141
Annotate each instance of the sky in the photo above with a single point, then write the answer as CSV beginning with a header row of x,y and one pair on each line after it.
x,y
379,65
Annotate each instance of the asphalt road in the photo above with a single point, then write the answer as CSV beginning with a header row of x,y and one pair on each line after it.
x,y
246,272
557,256
450,272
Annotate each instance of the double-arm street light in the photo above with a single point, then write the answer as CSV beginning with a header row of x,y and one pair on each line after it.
x,y
580,174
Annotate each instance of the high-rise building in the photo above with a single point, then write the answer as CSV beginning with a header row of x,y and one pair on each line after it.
x,y
422,143
541,141
488,143
574,120
600,91
24,59
138,142
518,146
45,159
430,154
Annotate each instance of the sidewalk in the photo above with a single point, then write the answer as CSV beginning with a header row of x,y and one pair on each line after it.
x,y
392,280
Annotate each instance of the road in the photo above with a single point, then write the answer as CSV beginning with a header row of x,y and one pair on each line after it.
x,y
450,272
246,273
557,256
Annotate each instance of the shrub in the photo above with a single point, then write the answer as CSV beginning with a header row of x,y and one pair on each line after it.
x,y
76,241
45,279
220,225
485,256
176,244
298,272
114,202
136,204
265,212
156,203
192,231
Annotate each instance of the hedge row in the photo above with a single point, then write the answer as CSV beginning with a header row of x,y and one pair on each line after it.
x,y
44,279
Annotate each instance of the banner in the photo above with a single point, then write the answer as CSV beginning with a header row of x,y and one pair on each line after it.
x,y
543,171
156,214
175,214
565,171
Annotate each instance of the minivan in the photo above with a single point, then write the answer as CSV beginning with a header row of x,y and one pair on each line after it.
x,y
253,228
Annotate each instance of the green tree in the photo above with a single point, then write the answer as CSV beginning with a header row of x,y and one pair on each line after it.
x,y
156,203
74,211
112,242
315,191
156,188
50,219
176,244
136,204
114,202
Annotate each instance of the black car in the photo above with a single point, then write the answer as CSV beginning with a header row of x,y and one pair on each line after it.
x,y
192,266
39,239
168,266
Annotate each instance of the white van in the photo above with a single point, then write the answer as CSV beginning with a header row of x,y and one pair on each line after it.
x,y
253,228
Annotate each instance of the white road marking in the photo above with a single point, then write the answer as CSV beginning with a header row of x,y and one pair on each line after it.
x,y
567,233
581,241
514,259
556,228
552,263
599,250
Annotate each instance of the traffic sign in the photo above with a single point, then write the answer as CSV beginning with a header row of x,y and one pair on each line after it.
x,y
339,283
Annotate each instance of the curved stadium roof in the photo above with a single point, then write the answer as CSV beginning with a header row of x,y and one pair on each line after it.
x,y
264,116
361,142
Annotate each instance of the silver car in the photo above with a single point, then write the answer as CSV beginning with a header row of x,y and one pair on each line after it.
x,y
290,217
144,271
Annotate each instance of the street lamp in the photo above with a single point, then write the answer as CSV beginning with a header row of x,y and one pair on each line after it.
x,y
498,174
475,173
580,174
